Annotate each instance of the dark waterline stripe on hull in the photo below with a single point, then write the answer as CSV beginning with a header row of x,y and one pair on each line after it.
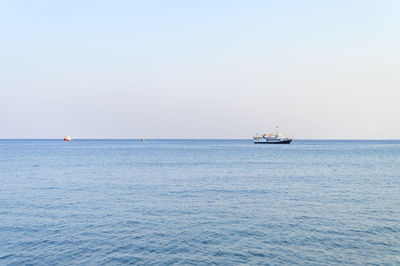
x,y
281,142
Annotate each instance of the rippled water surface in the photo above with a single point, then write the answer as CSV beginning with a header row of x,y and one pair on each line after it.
x,y
199,202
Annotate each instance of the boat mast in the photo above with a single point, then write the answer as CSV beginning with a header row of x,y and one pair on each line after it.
x,y
277,131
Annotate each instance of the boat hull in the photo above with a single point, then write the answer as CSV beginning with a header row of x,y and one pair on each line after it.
x,y
273,142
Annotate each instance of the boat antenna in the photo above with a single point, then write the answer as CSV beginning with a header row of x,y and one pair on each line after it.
x,y
277,130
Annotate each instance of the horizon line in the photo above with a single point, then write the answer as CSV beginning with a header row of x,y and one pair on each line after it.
x,y
182,139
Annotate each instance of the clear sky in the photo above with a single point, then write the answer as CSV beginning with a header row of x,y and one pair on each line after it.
x,y
199,69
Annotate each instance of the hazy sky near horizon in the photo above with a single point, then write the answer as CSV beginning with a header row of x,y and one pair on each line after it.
x,y
199,69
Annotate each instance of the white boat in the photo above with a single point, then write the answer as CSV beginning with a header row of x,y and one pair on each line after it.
x,y
67,138
269,138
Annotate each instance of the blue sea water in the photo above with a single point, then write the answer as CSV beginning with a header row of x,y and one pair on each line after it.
x,y
199,202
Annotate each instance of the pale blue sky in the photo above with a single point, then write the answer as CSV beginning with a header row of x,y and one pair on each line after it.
x,y
199,69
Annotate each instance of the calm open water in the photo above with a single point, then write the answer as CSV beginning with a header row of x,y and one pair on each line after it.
x,y
199,202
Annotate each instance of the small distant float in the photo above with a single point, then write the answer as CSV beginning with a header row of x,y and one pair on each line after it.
x,y
67,138
269,138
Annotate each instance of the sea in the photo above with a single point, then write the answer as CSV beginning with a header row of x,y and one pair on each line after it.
x,y
199,202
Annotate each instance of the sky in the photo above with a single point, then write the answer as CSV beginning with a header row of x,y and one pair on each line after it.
x,y
200,69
